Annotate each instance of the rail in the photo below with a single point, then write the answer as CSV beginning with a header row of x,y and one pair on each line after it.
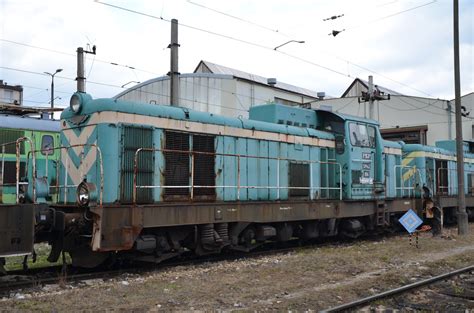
x,y
410,188
239,186
351,305
17,183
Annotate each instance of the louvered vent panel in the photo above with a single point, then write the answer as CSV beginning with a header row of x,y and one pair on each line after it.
x,y
204,165
7,136
134,138
177,165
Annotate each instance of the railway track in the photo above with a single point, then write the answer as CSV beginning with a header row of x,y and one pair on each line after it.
x,y
401,290
20,279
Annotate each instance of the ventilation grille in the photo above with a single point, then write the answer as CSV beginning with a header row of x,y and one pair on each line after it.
x,y
9,175
299,177
7,136
176,164
204,165
134,138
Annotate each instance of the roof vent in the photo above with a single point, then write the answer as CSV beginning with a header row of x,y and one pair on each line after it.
x,y
321,95
271,81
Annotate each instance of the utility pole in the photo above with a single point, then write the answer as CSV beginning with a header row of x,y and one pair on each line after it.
x,y
371,98
462,215
174,74
81,78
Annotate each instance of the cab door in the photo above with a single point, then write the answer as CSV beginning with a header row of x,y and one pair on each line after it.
x,y
363,144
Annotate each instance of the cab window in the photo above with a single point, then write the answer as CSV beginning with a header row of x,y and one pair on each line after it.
x,y
371,130
361,136
47,144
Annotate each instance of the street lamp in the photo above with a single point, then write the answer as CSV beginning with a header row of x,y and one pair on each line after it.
x,y
297,41
130,82
52,87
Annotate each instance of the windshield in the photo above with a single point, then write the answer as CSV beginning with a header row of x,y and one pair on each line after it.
x,y
361,135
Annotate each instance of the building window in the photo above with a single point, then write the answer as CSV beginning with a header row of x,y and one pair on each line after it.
x,y
8,96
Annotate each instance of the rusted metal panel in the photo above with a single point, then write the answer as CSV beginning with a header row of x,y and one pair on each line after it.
x,y
116,227
119,226
452,201
16,229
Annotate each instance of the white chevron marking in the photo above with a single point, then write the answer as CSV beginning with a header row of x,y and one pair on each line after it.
x,y
77,173
78,140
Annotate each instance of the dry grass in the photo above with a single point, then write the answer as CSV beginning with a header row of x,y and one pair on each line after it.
x,y
314,278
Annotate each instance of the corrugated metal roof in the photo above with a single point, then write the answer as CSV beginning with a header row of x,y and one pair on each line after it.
x,y
219,69
161,78
30,123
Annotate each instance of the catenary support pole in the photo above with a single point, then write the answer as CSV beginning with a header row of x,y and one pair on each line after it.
x,y
81,79
174,74
461,214
371,97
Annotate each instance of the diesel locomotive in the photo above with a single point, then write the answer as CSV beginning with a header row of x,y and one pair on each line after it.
x,y
149,182
26,146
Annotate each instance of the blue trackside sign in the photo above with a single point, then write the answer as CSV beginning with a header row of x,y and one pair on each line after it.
x,y
410,220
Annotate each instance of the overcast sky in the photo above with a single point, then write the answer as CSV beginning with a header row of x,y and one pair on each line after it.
x,y
406,45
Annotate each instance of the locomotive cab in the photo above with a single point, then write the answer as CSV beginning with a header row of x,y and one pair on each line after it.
x,y
359,149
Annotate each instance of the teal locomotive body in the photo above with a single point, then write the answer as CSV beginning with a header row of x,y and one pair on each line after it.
x,y
150,181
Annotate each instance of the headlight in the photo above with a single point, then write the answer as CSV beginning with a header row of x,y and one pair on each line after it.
x,y
86,194
75,103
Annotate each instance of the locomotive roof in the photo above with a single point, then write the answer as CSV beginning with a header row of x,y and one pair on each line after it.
x,y
180,113
29,123
419,147
347,117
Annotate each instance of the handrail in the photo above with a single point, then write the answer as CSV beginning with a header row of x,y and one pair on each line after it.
x,y
17,183
402,187
450,188
66,186
238,186
33,153
18,142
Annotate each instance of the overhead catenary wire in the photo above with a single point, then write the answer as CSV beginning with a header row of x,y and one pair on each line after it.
x,y
154,93
263,100
335,56
391,15
237,95
231,38
237,18
74,55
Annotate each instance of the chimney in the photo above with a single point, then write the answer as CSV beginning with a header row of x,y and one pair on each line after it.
x,y
272,81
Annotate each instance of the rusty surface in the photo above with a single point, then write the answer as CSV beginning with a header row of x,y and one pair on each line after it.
x,y
16,229
117,226
18,153
238,187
